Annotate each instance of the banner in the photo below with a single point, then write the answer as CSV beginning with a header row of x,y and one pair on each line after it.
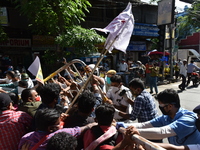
x,y
36,70
120,29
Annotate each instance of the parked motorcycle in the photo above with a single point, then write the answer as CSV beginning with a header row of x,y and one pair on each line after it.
x,y
195,78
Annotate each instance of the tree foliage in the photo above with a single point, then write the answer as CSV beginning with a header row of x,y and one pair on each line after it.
x,y
83,39
52,16
189,23
61,19
3,35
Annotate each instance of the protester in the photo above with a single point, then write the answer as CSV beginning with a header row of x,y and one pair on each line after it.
x,y
49,94
8,78
143,107
168,146
177,124
30,101
47,123
93,137
81,115
25,77
116,96
14,97
62,141
109,74
189,146
12,86
13,124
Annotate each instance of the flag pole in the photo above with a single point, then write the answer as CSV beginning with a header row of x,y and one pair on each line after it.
x,y
104,52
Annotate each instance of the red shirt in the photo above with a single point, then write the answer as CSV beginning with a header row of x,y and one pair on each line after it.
x,y
13,125
147,68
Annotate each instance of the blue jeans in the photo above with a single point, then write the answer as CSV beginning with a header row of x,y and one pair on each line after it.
x,y
153,84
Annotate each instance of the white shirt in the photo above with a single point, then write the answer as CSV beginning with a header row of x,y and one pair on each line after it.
x,y
120,100
6,80
180,63
123,67
30,83
183,70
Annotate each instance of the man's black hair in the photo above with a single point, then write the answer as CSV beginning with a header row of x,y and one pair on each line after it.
x,y
23,84
62,141
14,97
169,96
26,93
10,73
49,92
136,83
46,117
104,114
116,78
86,102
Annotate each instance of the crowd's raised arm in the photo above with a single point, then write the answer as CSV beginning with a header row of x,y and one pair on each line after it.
x,y
106,115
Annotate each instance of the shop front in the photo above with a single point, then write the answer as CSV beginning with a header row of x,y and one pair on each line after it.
x,y
15,52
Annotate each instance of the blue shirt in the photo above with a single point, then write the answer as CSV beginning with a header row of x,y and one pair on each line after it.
x,y
191,67
183,125
144,108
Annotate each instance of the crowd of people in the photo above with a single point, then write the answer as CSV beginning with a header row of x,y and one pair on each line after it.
x,y
103,117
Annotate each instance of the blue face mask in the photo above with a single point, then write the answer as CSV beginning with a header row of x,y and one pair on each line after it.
x,y
108,80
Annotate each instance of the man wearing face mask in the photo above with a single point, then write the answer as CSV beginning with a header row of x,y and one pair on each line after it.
x,y
117,98
177,124
109,74
31,101
185,147
143,107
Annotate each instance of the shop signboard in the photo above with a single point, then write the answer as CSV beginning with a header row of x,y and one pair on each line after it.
x,y
15,42
43,42
136,46
141,29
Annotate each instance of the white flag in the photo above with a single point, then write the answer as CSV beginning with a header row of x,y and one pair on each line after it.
x,y
36,70
121,29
